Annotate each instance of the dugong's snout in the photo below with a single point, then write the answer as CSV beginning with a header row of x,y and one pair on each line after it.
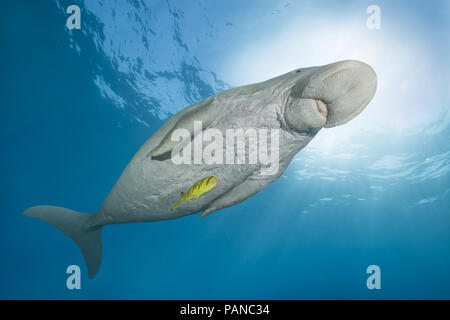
x,y
342,90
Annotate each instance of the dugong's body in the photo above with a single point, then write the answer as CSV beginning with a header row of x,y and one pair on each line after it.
x,y
296,105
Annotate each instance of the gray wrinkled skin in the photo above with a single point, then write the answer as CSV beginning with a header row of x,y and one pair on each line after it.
x,y
298,103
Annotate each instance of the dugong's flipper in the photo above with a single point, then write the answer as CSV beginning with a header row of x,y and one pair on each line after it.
x,y
239,193
75,225
204,112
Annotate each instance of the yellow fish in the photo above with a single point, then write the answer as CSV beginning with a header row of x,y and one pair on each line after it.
x,y
199,188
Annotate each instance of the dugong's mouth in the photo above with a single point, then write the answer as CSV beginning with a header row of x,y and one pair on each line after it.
x,y
322,108
341,90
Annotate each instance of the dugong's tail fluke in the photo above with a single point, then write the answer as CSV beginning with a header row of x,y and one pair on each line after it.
x,y
76,225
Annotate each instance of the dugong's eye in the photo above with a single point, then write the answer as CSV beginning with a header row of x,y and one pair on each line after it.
x,y
298,71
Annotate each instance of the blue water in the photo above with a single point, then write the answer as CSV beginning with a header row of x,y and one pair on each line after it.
x,y
76,105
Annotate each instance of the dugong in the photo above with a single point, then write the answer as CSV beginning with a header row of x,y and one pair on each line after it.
x,y
296,105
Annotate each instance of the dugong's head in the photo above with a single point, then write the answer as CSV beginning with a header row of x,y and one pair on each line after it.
x,y
327,96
